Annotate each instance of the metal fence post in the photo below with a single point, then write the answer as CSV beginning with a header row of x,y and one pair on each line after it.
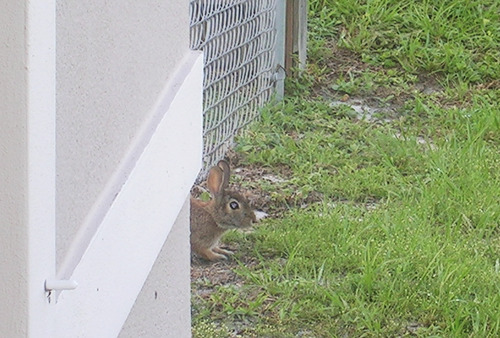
x,y
279,54
301,31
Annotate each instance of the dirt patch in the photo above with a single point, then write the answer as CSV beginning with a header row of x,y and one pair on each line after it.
x,y
385,100
207,277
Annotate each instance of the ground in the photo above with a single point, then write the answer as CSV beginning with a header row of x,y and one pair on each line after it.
x,y
379,179
379,104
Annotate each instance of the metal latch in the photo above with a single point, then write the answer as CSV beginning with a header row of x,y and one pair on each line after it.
x,y
279,74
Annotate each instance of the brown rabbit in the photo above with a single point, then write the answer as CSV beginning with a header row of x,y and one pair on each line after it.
x,y
226,210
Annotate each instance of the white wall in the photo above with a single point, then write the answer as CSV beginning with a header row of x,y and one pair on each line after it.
x,y
160,310
129,123
119,256
13,147
99,193
113,60
27,166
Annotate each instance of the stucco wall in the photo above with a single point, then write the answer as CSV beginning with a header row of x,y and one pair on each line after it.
x,y
27,171
121,86
13,154
113,59
162,309
123,250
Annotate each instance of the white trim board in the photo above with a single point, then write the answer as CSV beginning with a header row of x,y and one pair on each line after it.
x,y
103,203
112,268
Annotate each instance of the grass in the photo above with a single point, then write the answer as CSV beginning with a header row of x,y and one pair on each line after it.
x,y
454,38
386,227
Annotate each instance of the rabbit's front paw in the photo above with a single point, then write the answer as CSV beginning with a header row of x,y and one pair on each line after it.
x,y
210,255
223,251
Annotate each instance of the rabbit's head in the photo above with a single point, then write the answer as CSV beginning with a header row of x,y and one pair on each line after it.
x,y
230,209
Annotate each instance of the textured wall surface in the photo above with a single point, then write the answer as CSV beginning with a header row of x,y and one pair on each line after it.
x,y
162,309
118,259
113,59
13,154
121,65
27,166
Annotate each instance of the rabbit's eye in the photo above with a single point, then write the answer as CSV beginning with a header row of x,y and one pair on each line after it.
x,y
234,205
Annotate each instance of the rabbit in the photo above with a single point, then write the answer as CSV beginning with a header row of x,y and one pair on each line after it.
x,y
226,210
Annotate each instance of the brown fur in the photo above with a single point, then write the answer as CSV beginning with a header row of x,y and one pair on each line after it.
x,y
209,220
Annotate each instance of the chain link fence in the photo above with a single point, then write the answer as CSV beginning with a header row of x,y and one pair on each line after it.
x,y
238,38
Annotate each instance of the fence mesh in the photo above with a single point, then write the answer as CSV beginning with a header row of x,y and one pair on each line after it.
x,y
238,40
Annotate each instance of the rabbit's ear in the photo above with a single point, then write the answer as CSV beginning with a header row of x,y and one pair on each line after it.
x,y
226,172
215,181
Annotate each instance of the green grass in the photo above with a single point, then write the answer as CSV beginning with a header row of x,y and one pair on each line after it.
x,y
391,227
425,253
455,38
